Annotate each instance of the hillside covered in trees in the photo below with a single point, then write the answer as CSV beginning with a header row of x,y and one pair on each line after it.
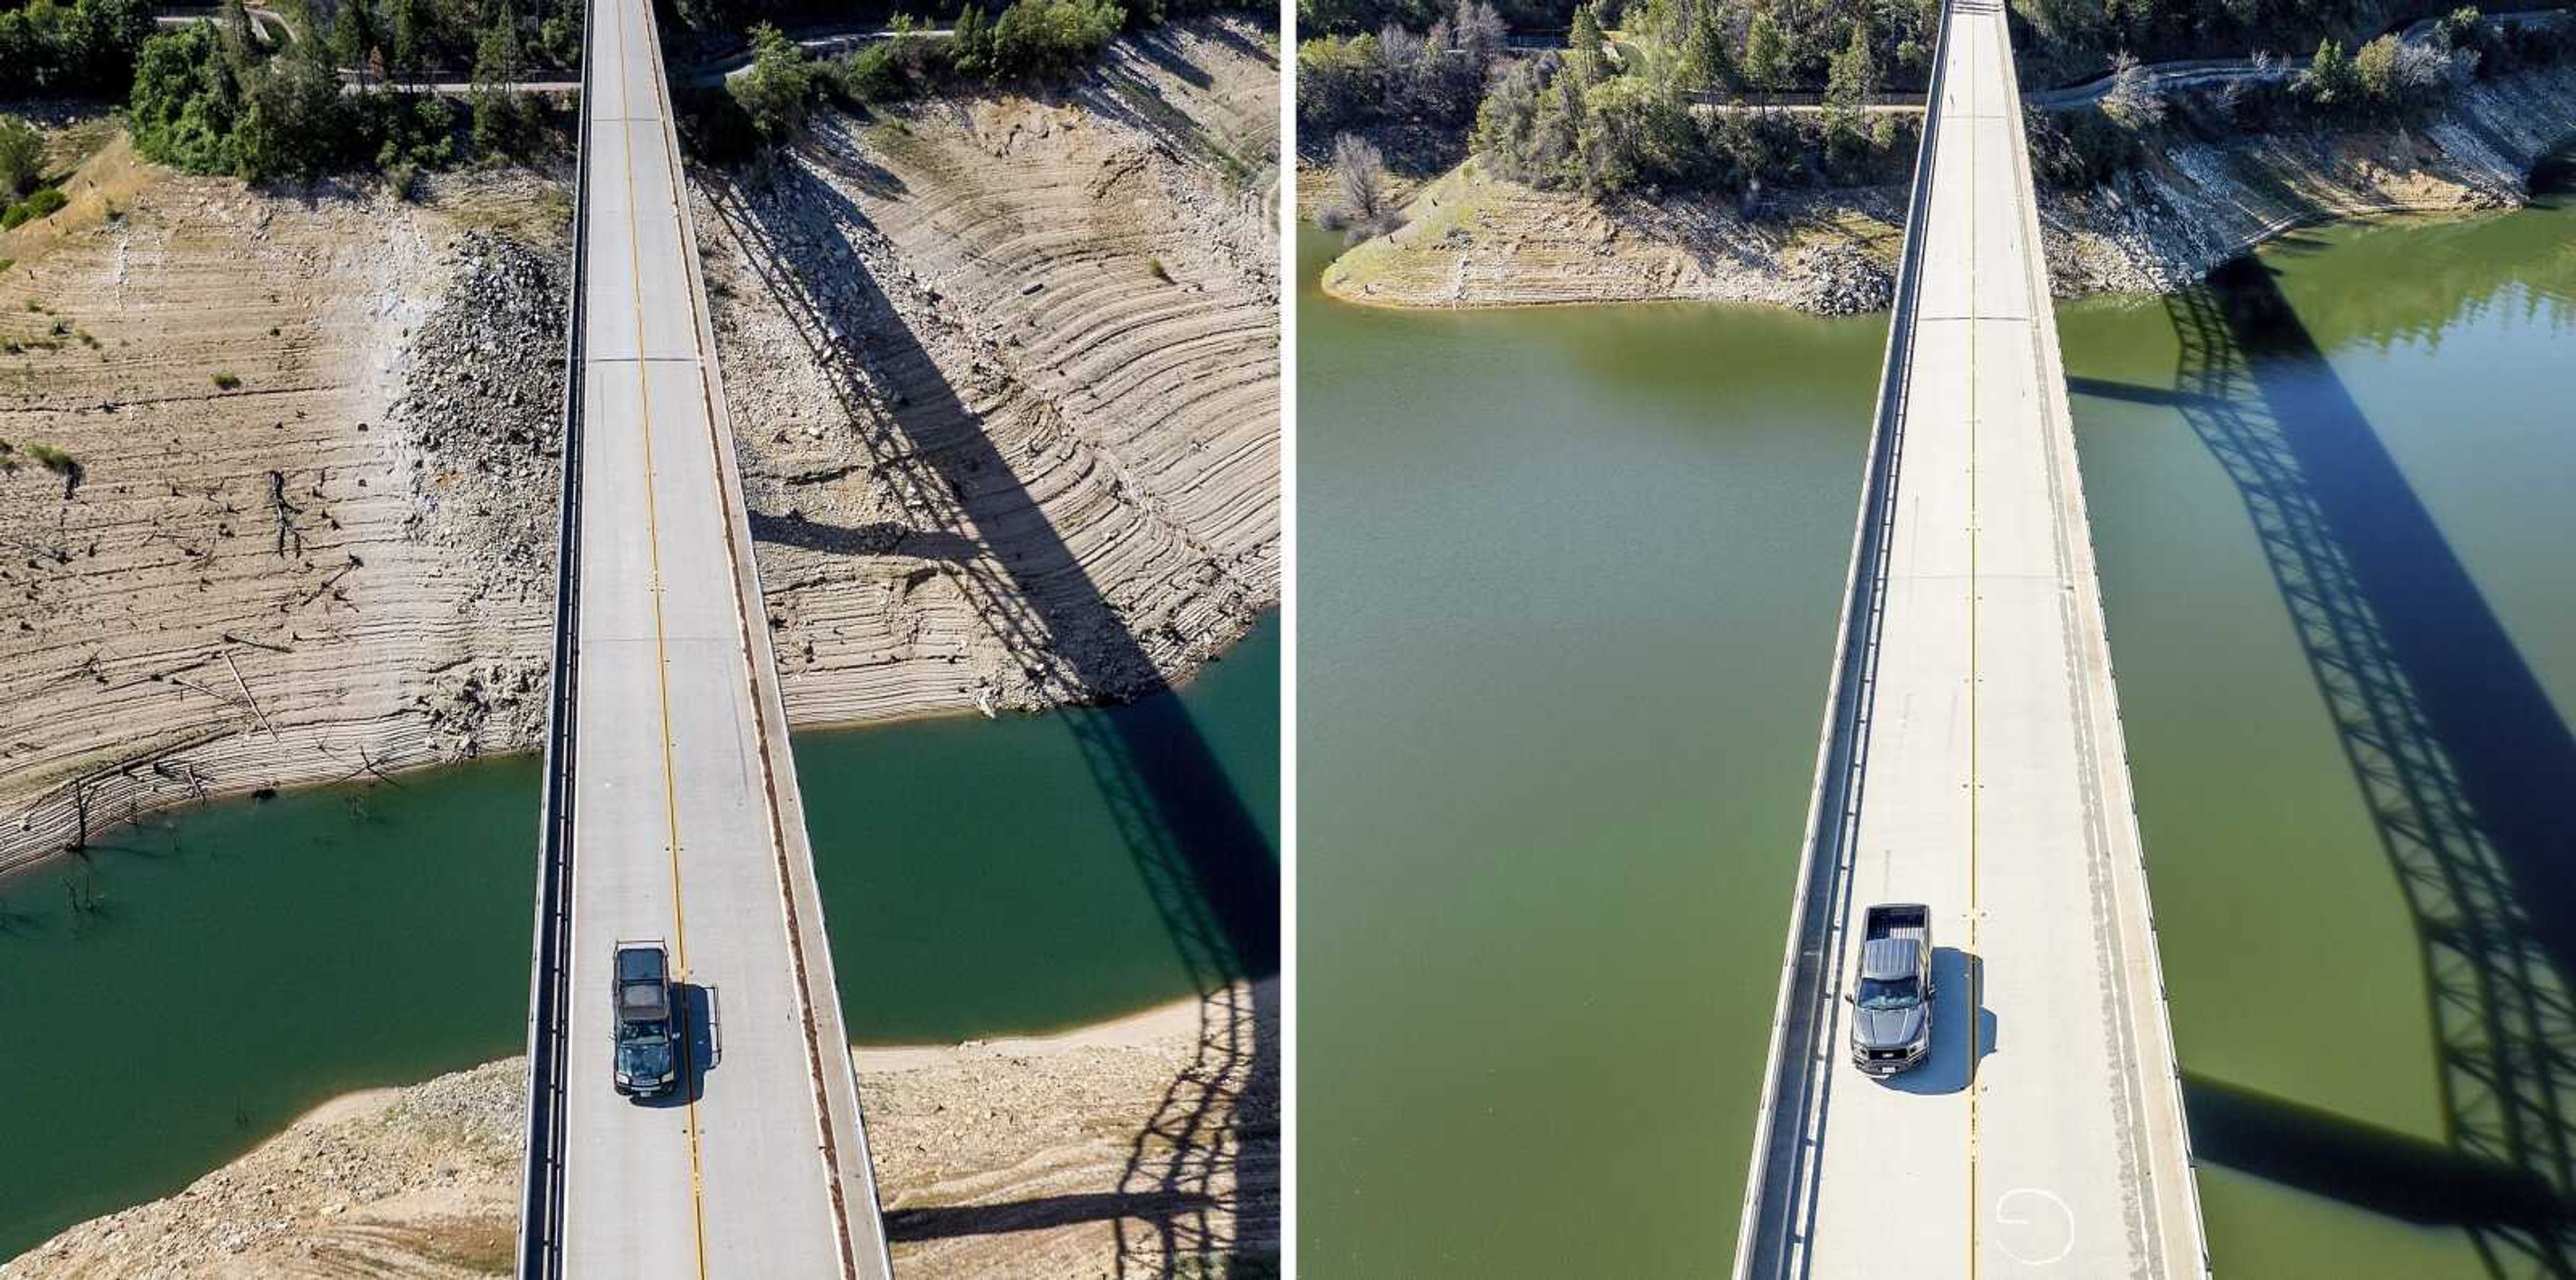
x,y
304,88
1665,95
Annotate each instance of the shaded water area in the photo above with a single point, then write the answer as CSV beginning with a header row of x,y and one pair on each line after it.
x,y
212,975
2330,495
1569,581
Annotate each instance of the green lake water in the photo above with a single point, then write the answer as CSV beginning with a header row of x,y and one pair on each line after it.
x,y
1568,586
2366,689
250,959
1568,583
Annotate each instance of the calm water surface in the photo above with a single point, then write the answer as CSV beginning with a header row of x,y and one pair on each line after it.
x,y
248,960
2330,494
1569,581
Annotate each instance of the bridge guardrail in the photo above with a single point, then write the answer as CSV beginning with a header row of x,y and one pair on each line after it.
x,y
550,964
1834,794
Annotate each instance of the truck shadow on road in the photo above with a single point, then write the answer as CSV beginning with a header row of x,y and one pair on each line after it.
x,y
701,1045
1957,977
1200,1190
2463,762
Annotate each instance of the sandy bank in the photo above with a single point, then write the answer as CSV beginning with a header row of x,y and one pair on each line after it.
x,y
968,492
1472,240
1029,1157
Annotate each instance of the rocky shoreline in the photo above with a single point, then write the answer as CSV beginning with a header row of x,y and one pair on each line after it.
x,y
423,1180
1471,240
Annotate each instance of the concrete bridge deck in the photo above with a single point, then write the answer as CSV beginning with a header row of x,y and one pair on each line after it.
x,y
673,811
1973,760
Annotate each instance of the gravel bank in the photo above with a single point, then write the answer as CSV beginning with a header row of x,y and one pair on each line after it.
x,y
238,587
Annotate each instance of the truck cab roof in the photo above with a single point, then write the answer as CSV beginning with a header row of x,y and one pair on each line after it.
x,y
643,982
641,962
1891,957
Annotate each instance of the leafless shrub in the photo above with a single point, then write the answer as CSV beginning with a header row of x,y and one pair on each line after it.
x,y
1359,208
2134,101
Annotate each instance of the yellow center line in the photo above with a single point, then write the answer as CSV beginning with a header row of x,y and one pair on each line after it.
x,y
661,649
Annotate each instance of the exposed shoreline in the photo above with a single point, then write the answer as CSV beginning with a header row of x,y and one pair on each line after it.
x,y
341,566
423,1179
1471,241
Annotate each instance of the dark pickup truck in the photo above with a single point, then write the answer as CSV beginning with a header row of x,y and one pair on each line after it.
x,y
1891,1022
648,1044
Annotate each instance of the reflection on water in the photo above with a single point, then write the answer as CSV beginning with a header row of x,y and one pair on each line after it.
x,y
2465,273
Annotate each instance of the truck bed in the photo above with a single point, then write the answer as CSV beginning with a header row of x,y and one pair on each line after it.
x,y
1905,921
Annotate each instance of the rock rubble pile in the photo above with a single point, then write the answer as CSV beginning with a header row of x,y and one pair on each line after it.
x,y
479,427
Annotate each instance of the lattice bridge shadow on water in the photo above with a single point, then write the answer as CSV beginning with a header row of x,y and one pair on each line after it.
x,y
2464,763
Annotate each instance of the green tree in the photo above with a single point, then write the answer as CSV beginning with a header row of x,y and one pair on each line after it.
x,y
559,39
404,39
502,122
186,100
971,44
1704,62
1583,48
1039,38
22,157
356,37
1504,121
774,91
1853,75
500,57
874,74
2069,22
1766,53
1637,135
87,46
1339,81
2330,80
290,117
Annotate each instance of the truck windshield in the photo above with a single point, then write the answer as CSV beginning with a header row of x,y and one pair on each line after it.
x,y
1887,993
648,1057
